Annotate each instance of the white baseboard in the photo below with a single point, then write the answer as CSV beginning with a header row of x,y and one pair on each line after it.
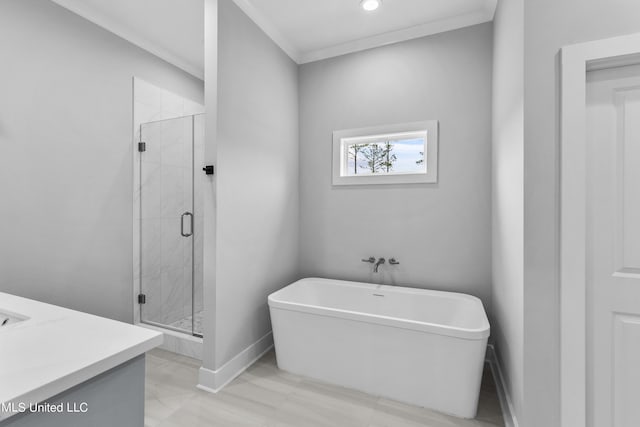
x,y
214,381
508,412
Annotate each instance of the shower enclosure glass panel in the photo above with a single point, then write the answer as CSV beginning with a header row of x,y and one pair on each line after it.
x,y
169,222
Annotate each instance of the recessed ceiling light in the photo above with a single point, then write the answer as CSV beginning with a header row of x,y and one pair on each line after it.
x,y
370,5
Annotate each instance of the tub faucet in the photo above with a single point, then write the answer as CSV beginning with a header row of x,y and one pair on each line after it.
x,y
377,264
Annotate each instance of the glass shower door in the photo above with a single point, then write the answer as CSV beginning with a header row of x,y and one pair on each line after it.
x,y
167,224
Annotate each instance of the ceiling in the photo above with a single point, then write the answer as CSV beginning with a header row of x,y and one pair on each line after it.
x,y
308,30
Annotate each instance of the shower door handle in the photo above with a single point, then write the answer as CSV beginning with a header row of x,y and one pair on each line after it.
x,y
190,224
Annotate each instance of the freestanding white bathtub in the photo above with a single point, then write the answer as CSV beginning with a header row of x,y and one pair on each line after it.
x,y
416,346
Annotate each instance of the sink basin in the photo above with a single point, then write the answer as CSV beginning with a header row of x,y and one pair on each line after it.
x,y
8,318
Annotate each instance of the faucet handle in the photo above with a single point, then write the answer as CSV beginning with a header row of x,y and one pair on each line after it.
x,y
369,260
393,261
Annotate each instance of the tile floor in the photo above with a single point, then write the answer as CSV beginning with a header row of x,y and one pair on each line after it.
x,y
266,396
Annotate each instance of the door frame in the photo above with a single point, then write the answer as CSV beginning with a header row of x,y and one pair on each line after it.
x,y
576,60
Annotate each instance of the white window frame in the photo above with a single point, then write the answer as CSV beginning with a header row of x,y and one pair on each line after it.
x,y
427,129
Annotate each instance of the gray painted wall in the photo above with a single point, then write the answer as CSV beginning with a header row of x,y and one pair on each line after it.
x,y
549,25
507,188
257,180
209,186
440,233
66,156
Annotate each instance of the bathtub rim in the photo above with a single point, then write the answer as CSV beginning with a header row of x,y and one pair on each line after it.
x,y
475,334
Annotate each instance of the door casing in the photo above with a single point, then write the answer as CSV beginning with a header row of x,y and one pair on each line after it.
x,y
576,60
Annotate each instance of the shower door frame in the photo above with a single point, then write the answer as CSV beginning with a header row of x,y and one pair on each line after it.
x,y
138,289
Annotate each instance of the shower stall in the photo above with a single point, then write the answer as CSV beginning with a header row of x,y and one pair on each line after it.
x,y
171,155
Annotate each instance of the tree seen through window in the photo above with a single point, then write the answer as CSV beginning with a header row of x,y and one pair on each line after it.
x,y
386,157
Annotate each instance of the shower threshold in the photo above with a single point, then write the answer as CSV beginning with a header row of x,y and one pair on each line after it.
x,y
180,341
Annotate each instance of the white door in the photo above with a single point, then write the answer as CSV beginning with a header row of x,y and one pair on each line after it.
x,y
613,247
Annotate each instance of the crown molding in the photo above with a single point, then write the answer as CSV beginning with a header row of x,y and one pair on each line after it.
x,y
422,30
442,25
80,8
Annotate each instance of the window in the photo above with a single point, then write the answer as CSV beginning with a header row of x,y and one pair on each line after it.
x,y
397,154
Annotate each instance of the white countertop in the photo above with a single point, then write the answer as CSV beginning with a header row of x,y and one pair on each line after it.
x,y
57,348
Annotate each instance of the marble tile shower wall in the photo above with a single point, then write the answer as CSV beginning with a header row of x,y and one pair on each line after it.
x,y
166,177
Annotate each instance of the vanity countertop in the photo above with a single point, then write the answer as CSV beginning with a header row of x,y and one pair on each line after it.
x,y
55,349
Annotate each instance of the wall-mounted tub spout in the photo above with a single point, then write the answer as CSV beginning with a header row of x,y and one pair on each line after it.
x,y
378,264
